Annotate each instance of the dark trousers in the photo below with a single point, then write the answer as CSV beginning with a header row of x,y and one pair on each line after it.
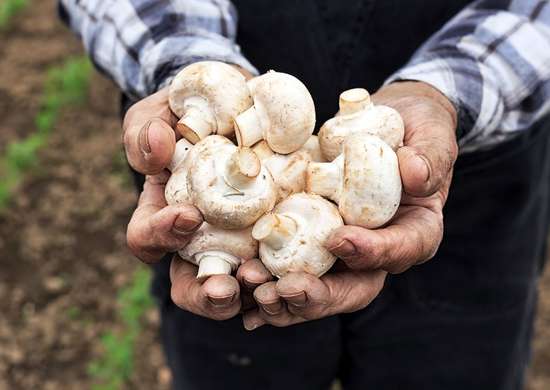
x,y
461,321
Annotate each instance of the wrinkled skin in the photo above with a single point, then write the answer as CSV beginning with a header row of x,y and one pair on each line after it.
x,y
412,237
156,228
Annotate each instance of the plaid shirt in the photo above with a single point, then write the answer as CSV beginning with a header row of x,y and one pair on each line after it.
x,y
492,60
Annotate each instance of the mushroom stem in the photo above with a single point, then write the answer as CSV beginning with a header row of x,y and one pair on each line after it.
x,y
275,230
197,123
354,100
248,128
182,148
215,263
262,150
325,178
243,166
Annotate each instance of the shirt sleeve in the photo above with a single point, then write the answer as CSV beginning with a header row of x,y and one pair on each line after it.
x,y
493,62
141,44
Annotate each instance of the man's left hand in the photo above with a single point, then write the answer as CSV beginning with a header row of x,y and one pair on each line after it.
x,y
413,236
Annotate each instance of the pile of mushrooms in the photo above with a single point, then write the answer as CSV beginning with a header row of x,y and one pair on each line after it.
x,y
265,185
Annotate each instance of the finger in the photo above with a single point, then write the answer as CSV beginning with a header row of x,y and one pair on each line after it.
x,y
156,228
305,295
254,319
308,298
149,138
412,238
217,298
268,299
253,273
351,290
271,309
430,134
430,150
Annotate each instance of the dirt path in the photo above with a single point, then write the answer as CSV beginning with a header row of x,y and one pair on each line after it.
x,y
62,242
62,245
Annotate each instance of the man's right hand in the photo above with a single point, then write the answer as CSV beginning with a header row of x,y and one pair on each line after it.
x,y
156,228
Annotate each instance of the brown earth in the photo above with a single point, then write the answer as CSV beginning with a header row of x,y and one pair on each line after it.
x,y
62,245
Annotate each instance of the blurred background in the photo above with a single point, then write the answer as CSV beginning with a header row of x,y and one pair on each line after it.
x,y
76,310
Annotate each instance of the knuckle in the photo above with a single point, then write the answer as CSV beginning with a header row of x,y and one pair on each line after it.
x,y
277,321
177,297
223,314
132,240
126,138
306,312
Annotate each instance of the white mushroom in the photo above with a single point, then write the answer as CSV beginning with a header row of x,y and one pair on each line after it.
x,y
217,251
228,184
214,250
313,147
358,115
292,237
207,96
289,170
283,113
176,188
364,180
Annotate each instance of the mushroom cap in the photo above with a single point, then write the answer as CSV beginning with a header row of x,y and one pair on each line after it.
x,y
211,85
238,243
285,109
313,147
371,190
262,150
381,121
220,202
288,172
315,218
175,191
180,153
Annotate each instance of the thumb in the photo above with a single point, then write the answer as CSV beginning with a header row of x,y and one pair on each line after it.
x,y
149,139
430,148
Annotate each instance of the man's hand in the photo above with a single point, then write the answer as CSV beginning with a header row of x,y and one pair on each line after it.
x,y
426,161
300,297
156,228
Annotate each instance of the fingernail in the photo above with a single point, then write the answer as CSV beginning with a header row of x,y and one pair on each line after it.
x,y
344,249
272,308
221,301
423,167
298,299
185,225
144,145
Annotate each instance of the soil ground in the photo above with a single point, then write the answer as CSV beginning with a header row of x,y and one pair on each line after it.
x,y
62,245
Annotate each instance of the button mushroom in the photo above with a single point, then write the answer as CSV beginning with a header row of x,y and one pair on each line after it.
x,y
358,115
288,170
206,96
217,251
228,184
214,250
283,113
176,188
364,180
292,236
313,147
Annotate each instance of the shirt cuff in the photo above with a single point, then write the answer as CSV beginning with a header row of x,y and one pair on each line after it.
x,y
453,81
174,53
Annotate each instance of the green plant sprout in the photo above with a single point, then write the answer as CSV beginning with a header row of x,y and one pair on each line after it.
x,y
65,85
8,9
115,366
